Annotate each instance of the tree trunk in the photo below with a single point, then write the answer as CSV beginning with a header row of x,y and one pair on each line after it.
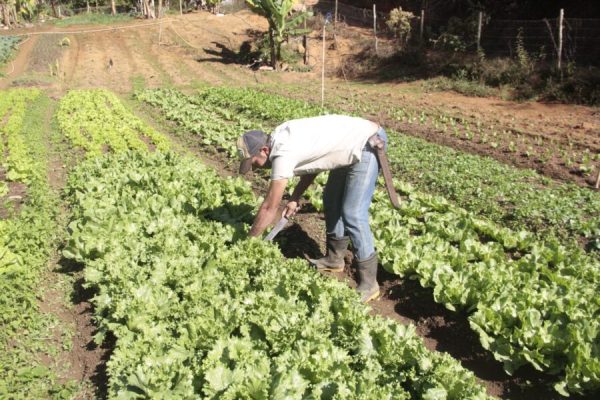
x,y
5,18
53,8
113,7
160,6
148,10
15,16
87,6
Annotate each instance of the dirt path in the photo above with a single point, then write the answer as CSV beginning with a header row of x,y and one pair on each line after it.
x,y
62,295
18,66
196,47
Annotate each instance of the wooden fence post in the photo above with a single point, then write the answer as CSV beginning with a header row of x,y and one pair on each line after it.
x,y
422,25
479,30
375,25
159,26
560,37
335,15
323,69
305,44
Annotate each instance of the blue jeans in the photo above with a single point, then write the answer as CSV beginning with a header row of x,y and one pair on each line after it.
x,y
347,197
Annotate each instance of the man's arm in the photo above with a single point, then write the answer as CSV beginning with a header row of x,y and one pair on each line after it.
x,y
268,209
305,181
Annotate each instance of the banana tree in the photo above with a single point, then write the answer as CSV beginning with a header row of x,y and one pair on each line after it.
x,y
276,12
8,10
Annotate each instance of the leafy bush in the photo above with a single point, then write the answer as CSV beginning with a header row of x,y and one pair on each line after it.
x,y
458,35
399,23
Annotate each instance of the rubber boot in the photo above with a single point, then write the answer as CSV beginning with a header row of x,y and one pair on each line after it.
x,y
334,259
368,288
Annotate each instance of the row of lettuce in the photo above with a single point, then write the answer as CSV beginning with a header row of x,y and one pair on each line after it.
x,y
17,161
200,310
28,238
96,120
529,299
514,198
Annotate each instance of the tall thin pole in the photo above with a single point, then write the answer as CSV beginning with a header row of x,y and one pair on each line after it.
x,y
375,25
305,43
560,37
479,30
335,16
323,70
159,27
422,24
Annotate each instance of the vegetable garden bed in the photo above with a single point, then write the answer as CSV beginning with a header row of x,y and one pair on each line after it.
x,y
516,287
197,310
193,304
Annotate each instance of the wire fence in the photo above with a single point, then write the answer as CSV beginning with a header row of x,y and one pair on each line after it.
x,y
579,41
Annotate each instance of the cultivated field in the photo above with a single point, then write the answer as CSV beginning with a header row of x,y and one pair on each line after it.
x,y
126,271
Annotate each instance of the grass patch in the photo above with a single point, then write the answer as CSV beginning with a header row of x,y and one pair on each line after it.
x,y
92,19
463,86
33,80
138,82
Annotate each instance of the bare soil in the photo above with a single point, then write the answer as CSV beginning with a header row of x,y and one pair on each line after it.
x,y
201,48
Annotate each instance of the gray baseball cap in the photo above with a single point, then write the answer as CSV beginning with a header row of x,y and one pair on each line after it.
x,y
249,145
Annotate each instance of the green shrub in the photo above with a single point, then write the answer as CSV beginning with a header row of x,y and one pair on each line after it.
x,y
399,23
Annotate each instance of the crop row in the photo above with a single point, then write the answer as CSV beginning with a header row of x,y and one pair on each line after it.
x,y
212,116
97,121
27,240
17,161
483,186
199,310
518,199
528,299
508,135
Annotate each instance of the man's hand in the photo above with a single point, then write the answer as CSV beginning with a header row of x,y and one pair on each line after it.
x,y
268,209
290,209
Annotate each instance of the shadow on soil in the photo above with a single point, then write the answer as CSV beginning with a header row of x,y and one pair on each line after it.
x,y
81,301
452,334
227,55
